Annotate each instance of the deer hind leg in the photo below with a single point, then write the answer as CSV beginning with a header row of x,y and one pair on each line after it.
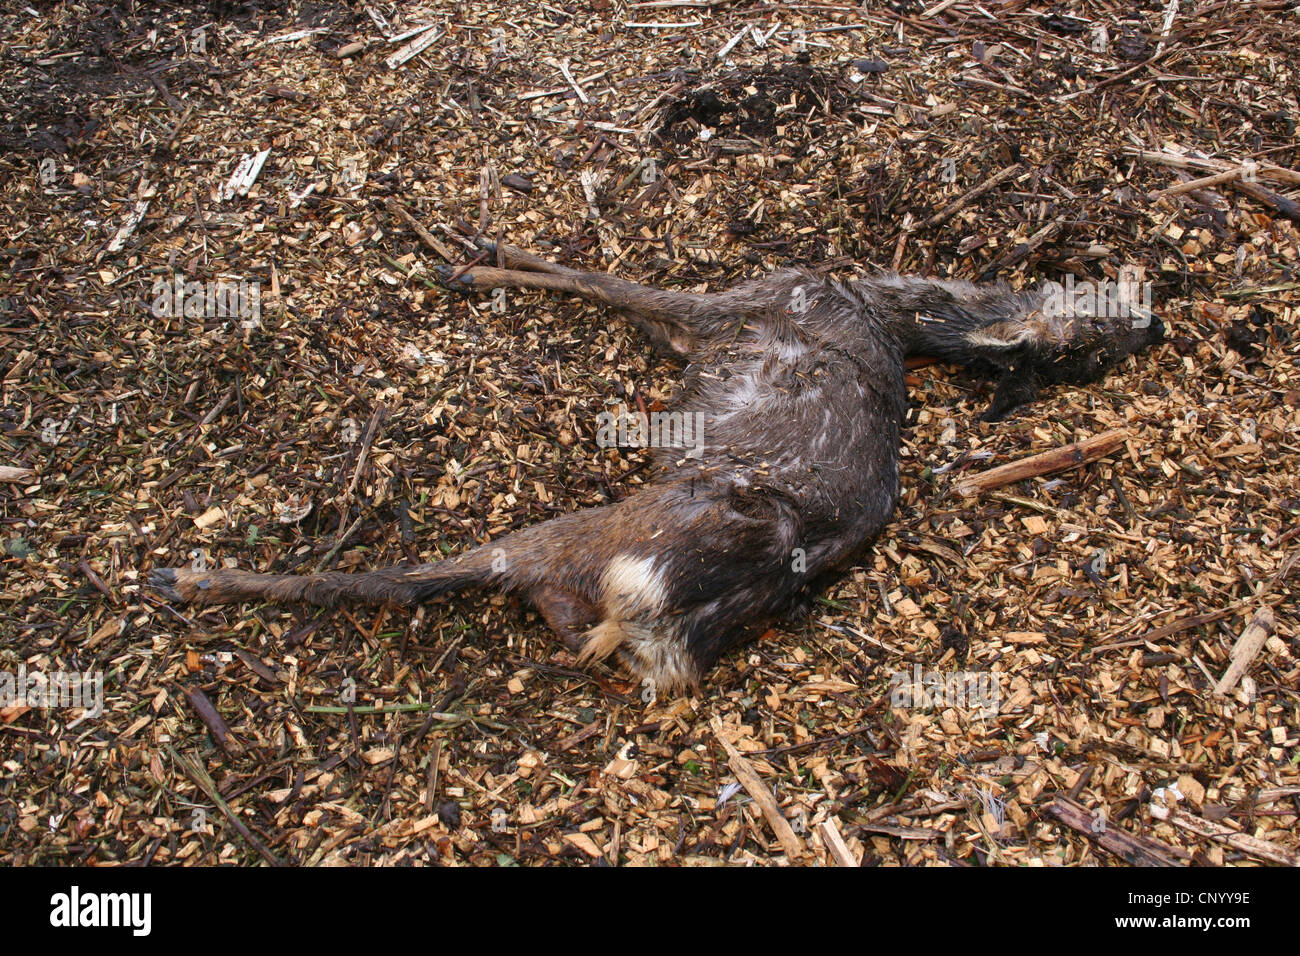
x,y
567,613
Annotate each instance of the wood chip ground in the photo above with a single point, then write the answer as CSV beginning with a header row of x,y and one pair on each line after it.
x,y
365,416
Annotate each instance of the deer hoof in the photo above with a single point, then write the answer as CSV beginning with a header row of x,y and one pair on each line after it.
x,y
175,584
448,277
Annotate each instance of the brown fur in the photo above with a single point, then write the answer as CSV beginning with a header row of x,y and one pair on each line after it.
x,y
799,383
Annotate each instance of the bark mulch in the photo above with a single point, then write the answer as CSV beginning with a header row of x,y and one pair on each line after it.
x,y
360,416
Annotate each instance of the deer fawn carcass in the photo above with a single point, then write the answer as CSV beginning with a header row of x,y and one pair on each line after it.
x,y
797,382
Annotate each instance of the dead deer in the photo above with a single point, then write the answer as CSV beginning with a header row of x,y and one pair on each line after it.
x,y
799,380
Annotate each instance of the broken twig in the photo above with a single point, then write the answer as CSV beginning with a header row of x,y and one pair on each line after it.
x,y
1058,459
753,784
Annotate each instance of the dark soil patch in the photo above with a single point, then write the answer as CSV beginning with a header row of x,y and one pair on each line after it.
x,y
752,103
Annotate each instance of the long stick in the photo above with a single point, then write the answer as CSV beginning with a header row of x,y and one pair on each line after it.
x,y
1140,851
1276,201
366,440
1246,649
753,783
204,783
1058,459
428,238
1222,834
961,201
1227,176
1270,171
1021,251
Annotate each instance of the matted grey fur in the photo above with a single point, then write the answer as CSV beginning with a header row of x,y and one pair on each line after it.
x,y
798,382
